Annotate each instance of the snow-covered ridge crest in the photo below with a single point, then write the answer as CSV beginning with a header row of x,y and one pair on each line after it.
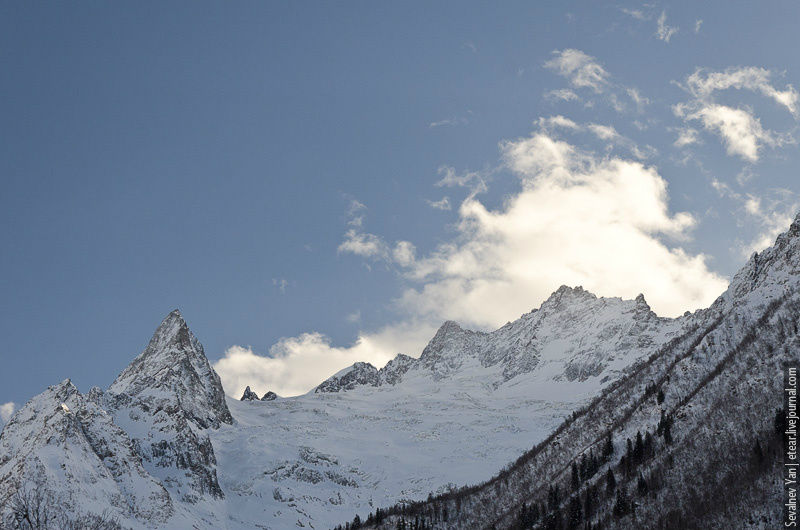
x,y
591,333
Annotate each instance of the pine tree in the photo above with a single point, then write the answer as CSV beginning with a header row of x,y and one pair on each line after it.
x,y
584,469
622,506
608,447
668,432
758,452
638,448
611,481
575,516
660,397
588,502
576,481
641,485
553,498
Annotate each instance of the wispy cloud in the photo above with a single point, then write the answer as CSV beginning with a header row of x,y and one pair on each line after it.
x,y
475,181
772,212
702,84
638,99
370,246
582,70
605,133
687,136
638,14
441,204
739,128
562,94
448,122
697,24
663,30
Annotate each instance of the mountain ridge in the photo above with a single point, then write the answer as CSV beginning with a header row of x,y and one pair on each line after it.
x,y
164,430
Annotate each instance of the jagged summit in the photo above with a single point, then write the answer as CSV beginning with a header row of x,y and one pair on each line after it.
x,y
174,366
249,395
269,396
68,448
358,374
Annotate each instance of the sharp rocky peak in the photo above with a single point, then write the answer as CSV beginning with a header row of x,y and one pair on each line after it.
x,y
174,367
249,395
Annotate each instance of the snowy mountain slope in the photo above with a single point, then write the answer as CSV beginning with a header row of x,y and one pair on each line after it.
x,y
471,403
66,444
713,466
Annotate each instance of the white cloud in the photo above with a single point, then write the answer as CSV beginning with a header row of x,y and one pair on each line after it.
x,y
448,121
558,121
638,99
686,136
6,411
702,85
354,317
562,94
638,14
441,204
474,180
298,364
404,253
582,71
606,133
697,24
369,246
740,130
663,31
577,219
355,213
363,244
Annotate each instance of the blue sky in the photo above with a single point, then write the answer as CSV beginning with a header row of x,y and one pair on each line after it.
x,y
278,171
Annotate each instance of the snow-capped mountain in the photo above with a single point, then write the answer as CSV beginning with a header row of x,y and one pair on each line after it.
x,y
164,448
691,435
